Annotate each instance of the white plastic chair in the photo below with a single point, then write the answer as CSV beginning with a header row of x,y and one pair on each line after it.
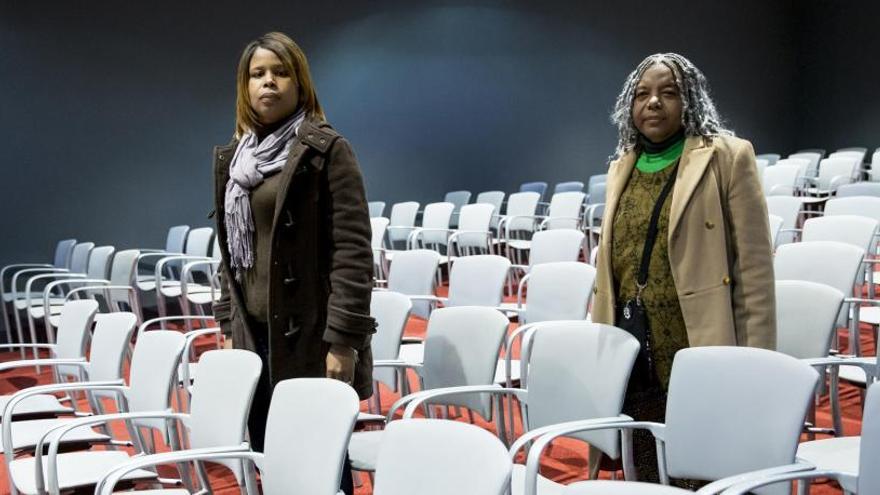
x,y
8,293
428,457
557,291
414,273
789,209
496,199
473,235
307,430
218,418
435,230
781,179
572,371
153,367
548,246
775,223
391,311
473,281
145,283
833,172
461,348
198,246
67,357
771,158
852,465
812,157
110,345
379,229
377,208
402,221
564,213
859,189
520,213
459,199
760,165
730,410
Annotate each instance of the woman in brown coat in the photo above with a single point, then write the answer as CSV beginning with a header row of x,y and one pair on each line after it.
x,y
709,278
294,233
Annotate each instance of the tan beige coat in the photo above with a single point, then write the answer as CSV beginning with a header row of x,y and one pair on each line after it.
x,y
719,245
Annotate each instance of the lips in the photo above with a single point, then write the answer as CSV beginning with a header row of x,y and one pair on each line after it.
x,y
269,97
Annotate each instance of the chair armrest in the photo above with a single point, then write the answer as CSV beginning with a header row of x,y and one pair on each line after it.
x,y
549,220
29,346
111,478
165,260
748,486
428,297
54,436
25,363
583,425
143,328
427,395
26,271
412,340
723,484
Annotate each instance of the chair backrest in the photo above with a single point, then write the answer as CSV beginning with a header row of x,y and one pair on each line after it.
x,y
99,262
761,165
391,311
597,178
461,348
875,166
549,246
440,457
221,399
199,241
578,370
176,239
571,186
750,402
851,229
559,291
458,198
788,208
110,344
378,227
857,154
414,273
869,448
859,189
377,208
154,371
813,157
436,216
522,203
866,206
780,179
63,250
307,432
494,198
79,258
597,192
835,171
538,187
824,262
565,208
402,215
771,158
74,326
775,223
806,315
475,217
477,280
122,273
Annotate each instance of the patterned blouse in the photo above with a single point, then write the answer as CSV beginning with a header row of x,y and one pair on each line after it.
x,y
660,297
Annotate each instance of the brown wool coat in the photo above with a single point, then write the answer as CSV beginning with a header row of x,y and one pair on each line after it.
x,y
321,260
719,245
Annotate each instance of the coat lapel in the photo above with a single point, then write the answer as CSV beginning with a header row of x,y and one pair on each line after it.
x,y
694,160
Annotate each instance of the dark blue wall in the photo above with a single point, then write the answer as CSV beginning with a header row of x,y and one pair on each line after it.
x,y
110,109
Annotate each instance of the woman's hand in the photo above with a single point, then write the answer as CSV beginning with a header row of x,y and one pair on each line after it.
x,y
340,363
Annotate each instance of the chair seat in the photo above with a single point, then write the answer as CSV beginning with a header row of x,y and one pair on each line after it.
x,y
853,374
11,296
837,454
519,244
869,315
37,302
39,311
175,290
75,469
363,449
363,417
203,297
545,486
26,434
605,487
36,404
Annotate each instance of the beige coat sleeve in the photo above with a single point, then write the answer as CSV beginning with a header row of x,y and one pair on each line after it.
x,y
754,300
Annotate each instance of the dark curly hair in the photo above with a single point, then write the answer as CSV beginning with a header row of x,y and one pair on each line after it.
x,y
698,114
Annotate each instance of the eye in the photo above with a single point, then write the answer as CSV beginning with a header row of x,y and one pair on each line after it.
x,y
282,73
256,73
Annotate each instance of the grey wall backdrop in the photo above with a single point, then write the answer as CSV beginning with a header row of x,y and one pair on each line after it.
x,y
110,109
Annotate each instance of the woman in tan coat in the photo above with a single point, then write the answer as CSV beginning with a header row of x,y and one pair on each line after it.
x,y
708,278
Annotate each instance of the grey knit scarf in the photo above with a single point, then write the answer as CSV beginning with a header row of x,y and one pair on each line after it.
x,y
252,163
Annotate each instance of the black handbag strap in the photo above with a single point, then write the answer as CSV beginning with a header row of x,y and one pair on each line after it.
x,y
642,280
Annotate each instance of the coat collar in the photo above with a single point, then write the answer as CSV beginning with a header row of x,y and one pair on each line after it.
x,y
694,159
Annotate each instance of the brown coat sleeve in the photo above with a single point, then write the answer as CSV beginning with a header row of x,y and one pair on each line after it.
x,y
754,301
351,257
222,308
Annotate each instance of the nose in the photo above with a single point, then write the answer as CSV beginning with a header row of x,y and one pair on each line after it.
x,y
654,102
269,79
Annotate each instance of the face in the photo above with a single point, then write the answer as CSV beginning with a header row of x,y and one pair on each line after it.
x,y
272,90
656,109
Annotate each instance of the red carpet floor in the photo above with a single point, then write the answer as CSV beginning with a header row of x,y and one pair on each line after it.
x,y
565,462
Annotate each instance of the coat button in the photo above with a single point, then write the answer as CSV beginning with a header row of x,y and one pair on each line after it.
x,y
291,280
275,316
595,290
311,136
323,140
710,225
220,156
725,280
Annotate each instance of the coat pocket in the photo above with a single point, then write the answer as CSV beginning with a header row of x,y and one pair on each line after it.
x,y
708,316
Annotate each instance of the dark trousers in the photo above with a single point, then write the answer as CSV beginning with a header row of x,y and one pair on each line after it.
x,y
260,406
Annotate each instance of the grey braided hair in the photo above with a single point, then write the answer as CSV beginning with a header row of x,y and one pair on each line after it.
x,y
698,114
